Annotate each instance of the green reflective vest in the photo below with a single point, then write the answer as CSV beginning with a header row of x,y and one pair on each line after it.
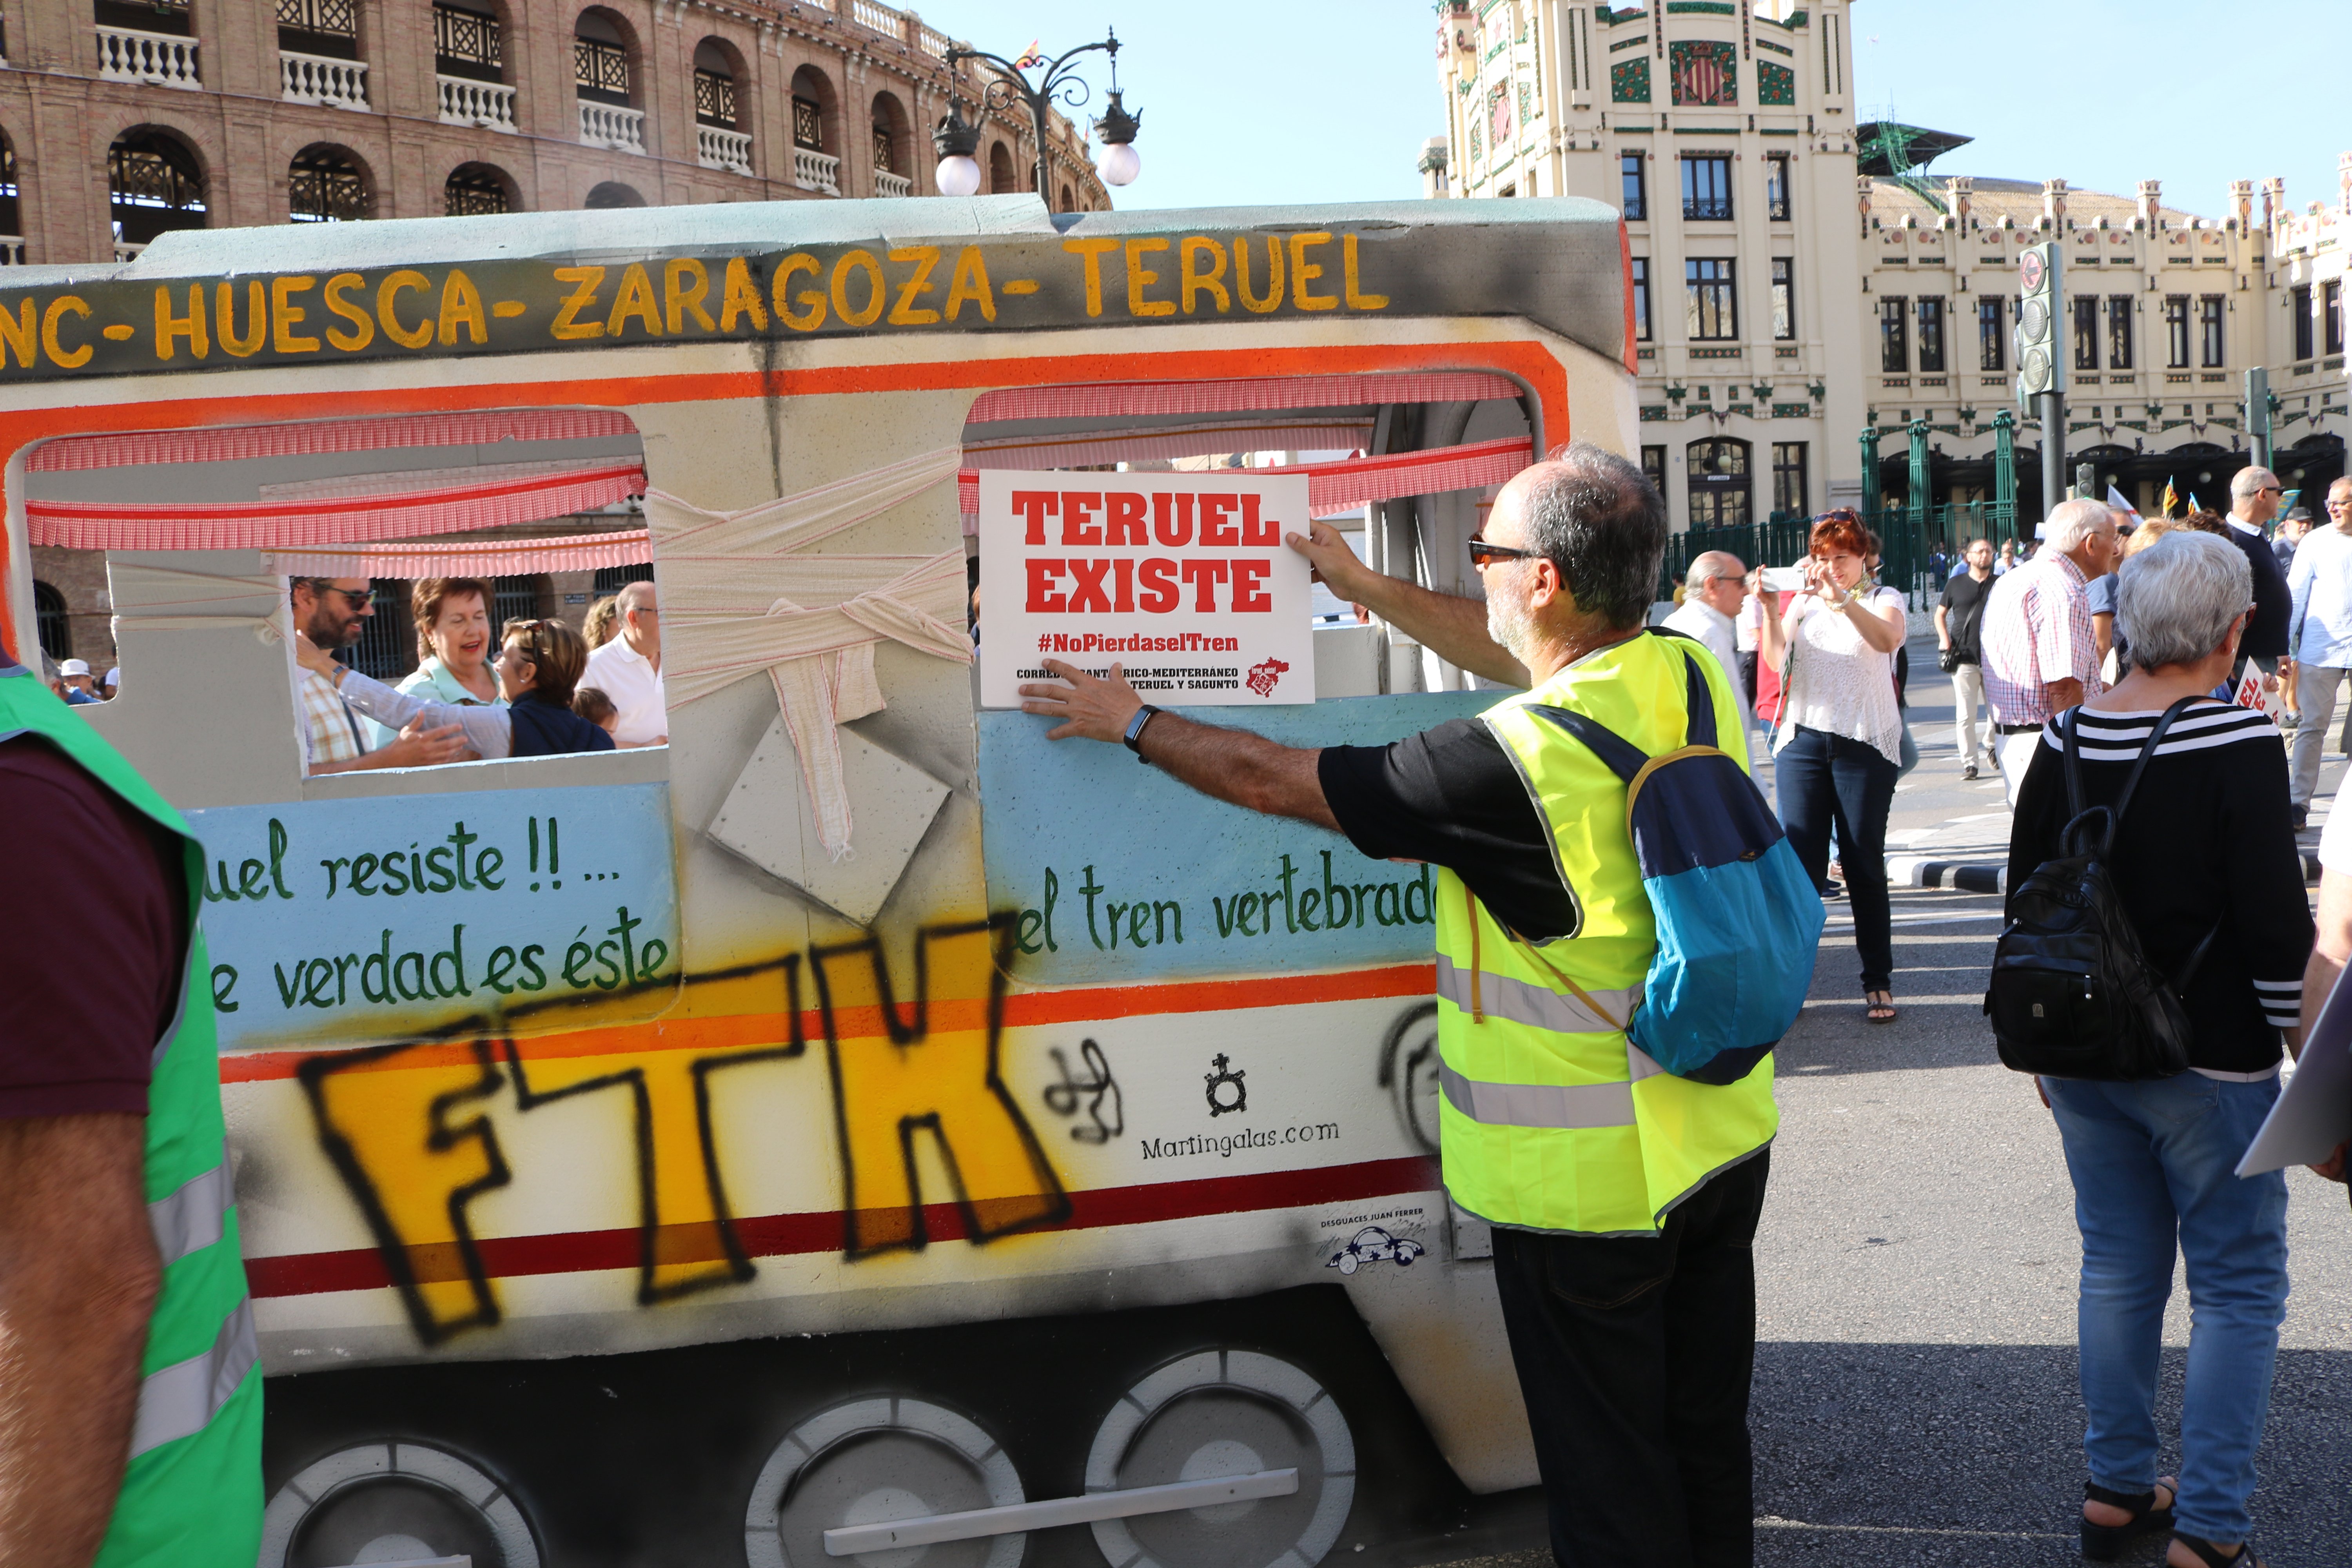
x,y
191,1496
1549,1119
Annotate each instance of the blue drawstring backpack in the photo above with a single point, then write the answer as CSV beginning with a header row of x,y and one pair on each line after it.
x,y
1739,920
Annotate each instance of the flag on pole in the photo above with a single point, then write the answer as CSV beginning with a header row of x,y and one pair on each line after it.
x,y
2192,502
2171,499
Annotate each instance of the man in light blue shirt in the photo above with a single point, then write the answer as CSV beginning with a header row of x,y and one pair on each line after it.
x,y
2320,635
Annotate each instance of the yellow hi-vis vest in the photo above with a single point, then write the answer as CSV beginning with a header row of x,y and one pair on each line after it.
x,y
1550,1120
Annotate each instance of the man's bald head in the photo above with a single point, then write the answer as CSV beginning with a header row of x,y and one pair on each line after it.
x,y
1597,520
1709,565
634,597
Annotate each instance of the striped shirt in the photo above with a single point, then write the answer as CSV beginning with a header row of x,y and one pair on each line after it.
x,y
2037,630
2208,839
331,734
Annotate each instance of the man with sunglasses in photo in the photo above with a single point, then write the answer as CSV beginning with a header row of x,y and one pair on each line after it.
x,y
1623,1199
2321,624
332,613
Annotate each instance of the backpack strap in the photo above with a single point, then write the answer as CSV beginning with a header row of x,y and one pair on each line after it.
x,y
1701,701
2147,750
1623,757
2070,726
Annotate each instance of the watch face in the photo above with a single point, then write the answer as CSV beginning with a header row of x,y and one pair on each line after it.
x,y
2029,270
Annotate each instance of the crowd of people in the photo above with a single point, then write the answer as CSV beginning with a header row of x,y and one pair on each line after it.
x,y
536,687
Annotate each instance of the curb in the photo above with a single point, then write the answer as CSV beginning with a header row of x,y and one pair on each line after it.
x,y
1984,877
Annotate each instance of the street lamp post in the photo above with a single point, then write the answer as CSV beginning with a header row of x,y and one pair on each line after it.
x,y
957,140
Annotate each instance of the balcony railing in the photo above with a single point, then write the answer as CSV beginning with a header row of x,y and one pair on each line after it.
x,y
487,104
719,149
126,250
1707,209
816,170
156,59
886,184
315,78
881,18
12,251
609,125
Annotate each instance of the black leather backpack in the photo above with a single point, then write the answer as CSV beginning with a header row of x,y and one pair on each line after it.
x,y
2072,993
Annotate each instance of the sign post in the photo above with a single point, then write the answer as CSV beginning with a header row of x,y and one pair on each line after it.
x,y
1183,579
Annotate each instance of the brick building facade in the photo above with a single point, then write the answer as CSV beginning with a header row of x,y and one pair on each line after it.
x,y
121,119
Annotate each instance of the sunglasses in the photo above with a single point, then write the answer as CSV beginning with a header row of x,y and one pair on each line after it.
x,y
1481,552
359,598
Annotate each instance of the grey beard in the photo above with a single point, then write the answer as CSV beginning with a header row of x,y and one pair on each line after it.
x,y
1508,627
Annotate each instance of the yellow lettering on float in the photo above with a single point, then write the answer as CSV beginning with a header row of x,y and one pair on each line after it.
x,y
257,307
903,313
461,301
1092,249
63,358
811,316
1195,279
167,326
742,298
23,337
1351,282
971,283
285,316
121,333
1250,302
634,302
679,300
362,331
567,326
1137,276
879,295
387,297
1303,272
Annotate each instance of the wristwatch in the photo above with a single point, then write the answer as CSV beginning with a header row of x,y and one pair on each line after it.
x,y
1134,736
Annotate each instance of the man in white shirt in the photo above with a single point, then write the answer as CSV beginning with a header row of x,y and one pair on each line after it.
x,y
1713,589
2320,637
628,670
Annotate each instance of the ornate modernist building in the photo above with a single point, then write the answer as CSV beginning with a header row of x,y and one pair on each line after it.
x,y
1796,280
121,119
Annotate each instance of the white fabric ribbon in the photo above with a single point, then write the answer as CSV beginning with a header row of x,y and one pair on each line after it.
x,y
741,596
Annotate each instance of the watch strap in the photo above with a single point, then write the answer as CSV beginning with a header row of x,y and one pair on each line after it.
x,y
1134,736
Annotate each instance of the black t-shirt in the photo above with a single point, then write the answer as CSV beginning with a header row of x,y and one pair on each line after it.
x,y
1451,797
1964,603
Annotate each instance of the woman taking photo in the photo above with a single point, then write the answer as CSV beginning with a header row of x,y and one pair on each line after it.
x,y
453,647
2205,860
539,663
1838,744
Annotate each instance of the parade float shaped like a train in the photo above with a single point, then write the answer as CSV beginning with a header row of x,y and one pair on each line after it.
x,y
859,1127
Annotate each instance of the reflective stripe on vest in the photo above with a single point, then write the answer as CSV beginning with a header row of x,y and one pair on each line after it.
x,y
1500,996
194,1217
1538,1104
180,1400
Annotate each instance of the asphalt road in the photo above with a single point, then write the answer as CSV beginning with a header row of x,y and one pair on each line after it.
x,y
1914,1398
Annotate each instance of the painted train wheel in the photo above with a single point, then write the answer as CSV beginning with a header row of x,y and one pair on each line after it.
x,y
394,1502
870,1461
1226,1413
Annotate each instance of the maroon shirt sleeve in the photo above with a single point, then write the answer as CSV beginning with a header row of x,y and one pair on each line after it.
x,y
93,935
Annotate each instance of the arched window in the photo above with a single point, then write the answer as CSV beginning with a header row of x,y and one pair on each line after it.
x,y
714,86
467,41
12,225
816,156
1069,201
599,60
613,194
474,189
894,158
154,185
326,184
51,622
1717,470
999,170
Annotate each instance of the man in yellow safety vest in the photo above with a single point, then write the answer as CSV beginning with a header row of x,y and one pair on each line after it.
x,y
1623,1199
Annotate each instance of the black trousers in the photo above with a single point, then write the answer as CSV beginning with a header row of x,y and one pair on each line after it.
x,y
1823,780
1635,1355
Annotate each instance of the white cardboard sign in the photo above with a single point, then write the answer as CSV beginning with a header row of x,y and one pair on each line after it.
x,y
1183,579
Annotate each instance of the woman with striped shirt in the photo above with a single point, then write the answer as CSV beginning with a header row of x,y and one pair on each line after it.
x,y
2207,847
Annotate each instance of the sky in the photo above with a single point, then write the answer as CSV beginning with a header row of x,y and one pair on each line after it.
x,y
1308,101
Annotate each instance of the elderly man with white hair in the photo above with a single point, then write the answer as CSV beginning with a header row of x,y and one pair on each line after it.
x,y
628,670
1715,587
2254,497
2040,656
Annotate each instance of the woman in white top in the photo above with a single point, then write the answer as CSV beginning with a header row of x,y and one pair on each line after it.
x,y
1838,745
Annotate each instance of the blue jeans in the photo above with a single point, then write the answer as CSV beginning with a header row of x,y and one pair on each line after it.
x,y
2152,1165
1822,780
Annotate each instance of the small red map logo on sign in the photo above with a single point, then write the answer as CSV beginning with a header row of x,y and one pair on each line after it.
x,y
1261,677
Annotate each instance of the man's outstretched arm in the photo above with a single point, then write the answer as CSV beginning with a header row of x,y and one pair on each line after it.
x,y
1453,628
1234,765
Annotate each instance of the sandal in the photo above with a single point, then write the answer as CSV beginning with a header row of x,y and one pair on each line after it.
x,y
1878,1008
2211,1555
2104,1543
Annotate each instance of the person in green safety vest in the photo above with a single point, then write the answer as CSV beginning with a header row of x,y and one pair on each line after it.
x,y
130,1383
1623,1199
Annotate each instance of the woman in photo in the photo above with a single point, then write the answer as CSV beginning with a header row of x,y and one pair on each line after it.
x,y
539,663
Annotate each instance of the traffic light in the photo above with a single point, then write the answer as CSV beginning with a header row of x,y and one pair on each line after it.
x,y
2037,320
